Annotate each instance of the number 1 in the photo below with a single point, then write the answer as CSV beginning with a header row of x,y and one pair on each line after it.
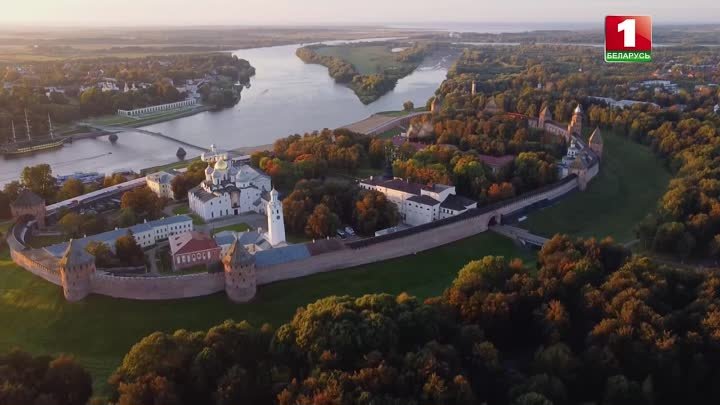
x,y
627,27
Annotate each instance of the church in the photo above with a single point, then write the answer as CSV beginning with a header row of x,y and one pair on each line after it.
x,y
229,189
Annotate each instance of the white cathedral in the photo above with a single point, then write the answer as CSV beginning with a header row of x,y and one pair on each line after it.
x,y
233,189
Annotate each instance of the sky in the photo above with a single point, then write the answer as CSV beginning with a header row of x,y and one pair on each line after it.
x,y
306,12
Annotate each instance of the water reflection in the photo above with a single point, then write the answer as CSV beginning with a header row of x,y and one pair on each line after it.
x,y
286,96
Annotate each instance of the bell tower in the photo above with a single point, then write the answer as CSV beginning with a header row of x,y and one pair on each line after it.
x,y
276,223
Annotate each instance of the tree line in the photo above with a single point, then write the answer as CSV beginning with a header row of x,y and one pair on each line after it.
x,y
683,131
590,323
161,73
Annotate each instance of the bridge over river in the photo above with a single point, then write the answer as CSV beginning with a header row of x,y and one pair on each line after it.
x,y
115,129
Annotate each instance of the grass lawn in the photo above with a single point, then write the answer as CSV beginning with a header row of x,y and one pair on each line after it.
x,y
401,113
367,60
185,210
42,241
235,228
293,238
181,210
175,165
5,226
631,181
100,330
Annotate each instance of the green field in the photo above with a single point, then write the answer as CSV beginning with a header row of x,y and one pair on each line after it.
x,y
100,330
367,60
185,210
630,182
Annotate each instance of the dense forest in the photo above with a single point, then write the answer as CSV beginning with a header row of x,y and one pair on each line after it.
x,y
589,324
24,86
681,127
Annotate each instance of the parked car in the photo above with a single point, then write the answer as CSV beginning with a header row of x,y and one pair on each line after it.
x,y
341,234
349,231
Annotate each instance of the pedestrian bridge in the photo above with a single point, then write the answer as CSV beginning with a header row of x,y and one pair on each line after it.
x,y
521,235
116,129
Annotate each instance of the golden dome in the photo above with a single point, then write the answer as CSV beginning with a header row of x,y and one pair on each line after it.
x,y
221,164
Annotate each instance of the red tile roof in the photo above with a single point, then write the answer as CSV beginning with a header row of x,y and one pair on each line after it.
x,y
191,242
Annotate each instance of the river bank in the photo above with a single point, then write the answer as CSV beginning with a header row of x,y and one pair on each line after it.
x,y
285,97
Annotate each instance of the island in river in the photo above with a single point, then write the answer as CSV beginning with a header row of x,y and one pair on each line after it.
x,y
370,69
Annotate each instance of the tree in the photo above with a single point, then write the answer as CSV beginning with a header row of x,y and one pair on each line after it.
x,y
114,180
4,206
127,218
373,211
42,380
71,224
71,188
143,202
103,255
39,180
128,252
408,106
69,382
149,389
322,222
12,190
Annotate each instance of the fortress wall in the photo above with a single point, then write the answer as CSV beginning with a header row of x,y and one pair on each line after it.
x,y
36,268
158,288
403,121
195,285
551,194
390,249
410,244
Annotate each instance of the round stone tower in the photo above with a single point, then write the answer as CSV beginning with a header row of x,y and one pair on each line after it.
x,y
77,268
575,126
240,278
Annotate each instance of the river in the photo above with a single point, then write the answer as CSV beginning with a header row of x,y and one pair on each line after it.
x,y
286,96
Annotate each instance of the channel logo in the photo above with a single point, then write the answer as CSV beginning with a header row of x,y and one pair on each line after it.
x,y
628,38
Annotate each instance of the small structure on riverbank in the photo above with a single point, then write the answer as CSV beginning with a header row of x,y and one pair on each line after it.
x,y
139,112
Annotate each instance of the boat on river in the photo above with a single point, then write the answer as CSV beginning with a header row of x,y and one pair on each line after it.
x,y
31,145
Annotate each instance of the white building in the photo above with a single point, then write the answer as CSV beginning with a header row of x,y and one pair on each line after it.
x,y
716,109
146,234
418,204
230,190
161,184
276,223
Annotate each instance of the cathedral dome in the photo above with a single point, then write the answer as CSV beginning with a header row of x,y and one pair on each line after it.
x,y
221,164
